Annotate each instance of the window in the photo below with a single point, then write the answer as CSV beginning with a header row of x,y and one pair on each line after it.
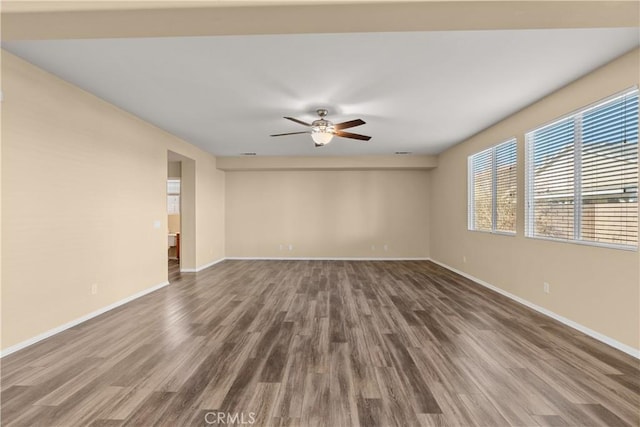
x,y
493,189
173,196
582,175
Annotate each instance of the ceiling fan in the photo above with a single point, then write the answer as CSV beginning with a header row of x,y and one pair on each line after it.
x,y
322,130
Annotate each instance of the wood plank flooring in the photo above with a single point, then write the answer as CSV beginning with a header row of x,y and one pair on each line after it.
x,y
320,343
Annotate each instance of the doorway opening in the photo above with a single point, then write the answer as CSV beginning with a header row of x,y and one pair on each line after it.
x,y
180,214
173,217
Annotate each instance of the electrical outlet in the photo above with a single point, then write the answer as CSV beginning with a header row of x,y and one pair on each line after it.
x,y
464,259
280,247
94,289
290,247
546,288
373,247
386,248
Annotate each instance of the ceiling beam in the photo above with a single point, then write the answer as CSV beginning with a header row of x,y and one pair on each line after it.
x,y
282,18
262,163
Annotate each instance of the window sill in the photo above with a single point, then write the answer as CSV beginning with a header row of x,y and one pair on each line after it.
x,y
586,243
497,233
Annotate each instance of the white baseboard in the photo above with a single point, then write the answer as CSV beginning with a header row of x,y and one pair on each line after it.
x,y
594,334
323,259
202,267
79,320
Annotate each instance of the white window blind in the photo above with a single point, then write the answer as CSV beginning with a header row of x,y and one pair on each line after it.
x,y
582,175
505,192
481,210
173,196
552,155
492,189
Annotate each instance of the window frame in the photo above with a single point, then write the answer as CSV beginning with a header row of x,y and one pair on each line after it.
x,y
494,190
529,208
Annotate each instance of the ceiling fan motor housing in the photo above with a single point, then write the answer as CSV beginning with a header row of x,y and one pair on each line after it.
x,y
322,125
325,125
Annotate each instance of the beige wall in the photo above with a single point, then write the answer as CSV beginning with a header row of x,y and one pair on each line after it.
x,y
82,184
596,287
210,212
327,214
30,20
174,169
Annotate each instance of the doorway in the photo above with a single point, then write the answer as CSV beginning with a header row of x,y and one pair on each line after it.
x,y
180,214
174,175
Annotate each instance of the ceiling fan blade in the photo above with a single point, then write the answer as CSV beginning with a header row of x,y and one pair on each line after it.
x,y
352,135
349,124
290,133
293,119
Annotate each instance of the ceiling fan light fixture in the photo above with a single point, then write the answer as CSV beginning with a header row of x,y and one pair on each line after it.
x,y
322,135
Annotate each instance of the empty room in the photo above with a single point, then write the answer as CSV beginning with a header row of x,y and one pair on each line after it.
x,y
320,213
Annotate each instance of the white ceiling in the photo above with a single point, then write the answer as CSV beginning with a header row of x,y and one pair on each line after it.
x,y
418,91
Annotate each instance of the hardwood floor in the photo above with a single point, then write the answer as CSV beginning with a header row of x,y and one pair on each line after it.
x,y
311,343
